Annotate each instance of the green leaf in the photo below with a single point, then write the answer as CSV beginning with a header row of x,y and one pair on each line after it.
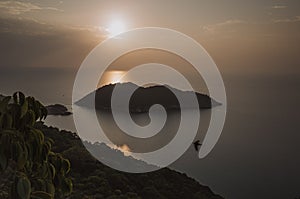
x,y
48,145
52,170
22,158
30,101
38,135
66,165
24,108
30,151
4,103
30,117
51,189
16,150
57,162
6,138
21,98
24,188
37,109
67,186
15,97
44,170
3,160
7,121
41,195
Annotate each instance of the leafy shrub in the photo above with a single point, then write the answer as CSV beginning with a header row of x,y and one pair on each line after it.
x,y
37,171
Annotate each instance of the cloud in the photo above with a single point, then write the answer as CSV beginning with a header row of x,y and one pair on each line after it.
x,y
17,7
287,20
29,43
233,25
32,27
236,25
279,7
214,27
234,30
232,21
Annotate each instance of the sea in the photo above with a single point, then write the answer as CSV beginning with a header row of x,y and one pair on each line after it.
x,y
258,153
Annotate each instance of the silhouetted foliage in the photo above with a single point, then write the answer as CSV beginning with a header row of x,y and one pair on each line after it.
x,y
28,166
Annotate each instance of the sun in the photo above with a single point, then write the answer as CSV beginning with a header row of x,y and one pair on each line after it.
x,y
116,27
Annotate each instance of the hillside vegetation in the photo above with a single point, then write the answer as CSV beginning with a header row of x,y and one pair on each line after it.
x,y
92,179
37,161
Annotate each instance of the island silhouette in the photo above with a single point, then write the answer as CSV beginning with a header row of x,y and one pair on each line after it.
x,y
144,97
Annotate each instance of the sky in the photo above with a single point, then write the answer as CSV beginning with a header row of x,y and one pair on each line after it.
x,y
247,36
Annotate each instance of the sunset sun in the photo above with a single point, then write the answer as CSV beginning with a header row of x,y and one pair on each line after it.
x,y
116,27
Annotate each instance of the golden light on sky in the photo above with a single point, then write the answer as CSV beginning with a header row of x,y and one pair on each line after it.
x,y
114,76
116,27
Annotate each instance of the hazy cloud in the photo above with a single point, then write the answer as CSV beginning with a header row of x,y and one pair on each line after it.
x,y
29,43
287,20
214,27
279,7
231,22
17,7
274,30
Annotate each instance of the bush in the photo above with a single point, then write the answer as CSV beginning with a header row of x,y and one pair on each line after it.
x,y
36,171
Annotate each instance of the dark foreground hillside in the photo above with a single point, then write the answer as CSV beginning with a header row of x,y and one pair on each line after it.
x,y
92,179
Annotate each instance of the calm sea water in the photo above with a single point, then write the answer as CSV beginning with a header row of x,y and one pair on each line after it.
x,y
258,154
